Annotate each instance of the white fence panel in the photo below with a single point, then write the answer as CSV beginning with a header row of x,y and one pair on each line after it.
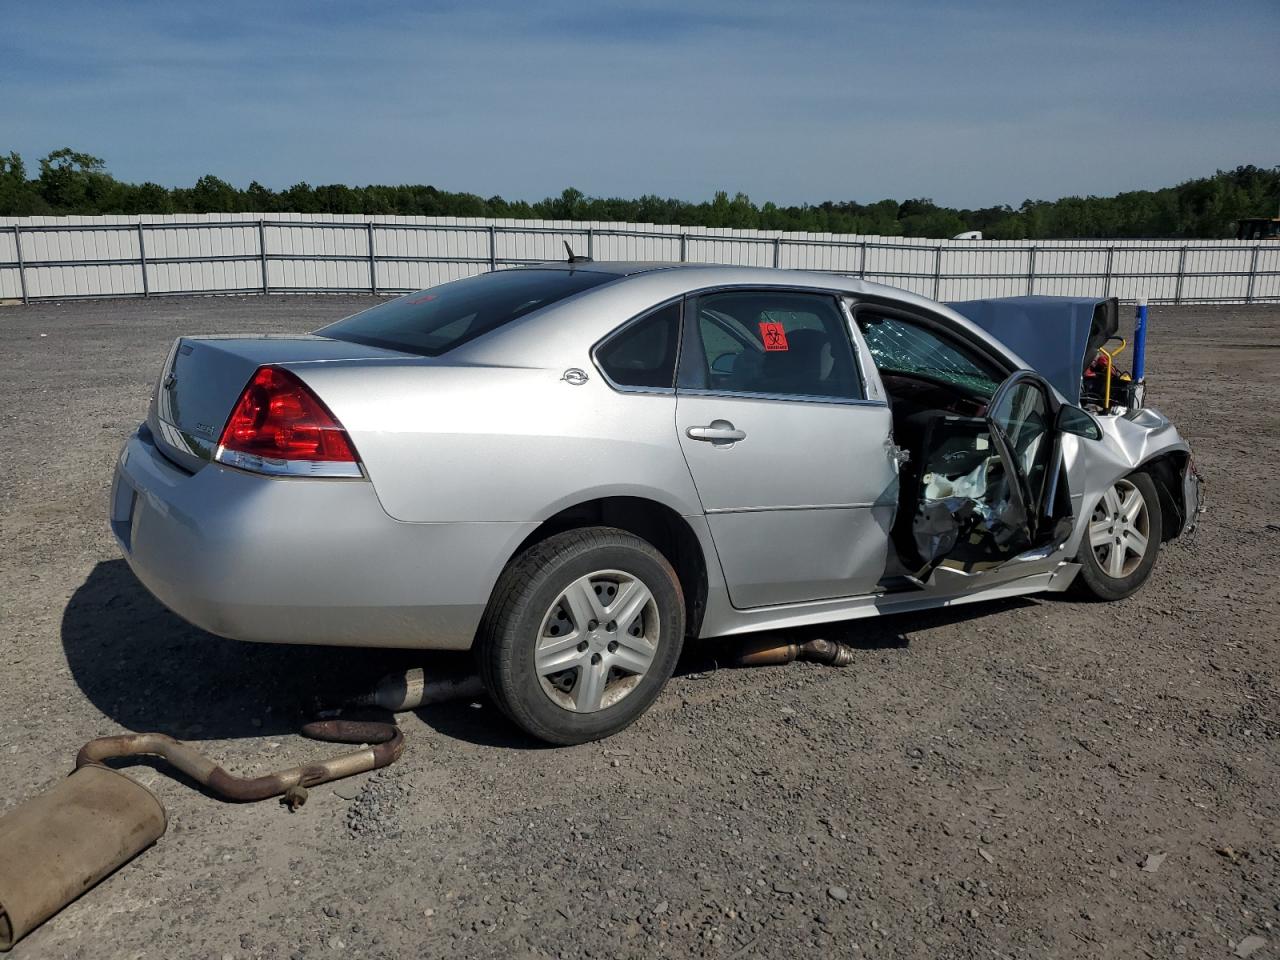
x,y
973,270
1266,284
1145,271
218,258
54,282
718,249
619,245
1217,273
10,278
415,276
800,254
532,243
68,257
910,265
218,277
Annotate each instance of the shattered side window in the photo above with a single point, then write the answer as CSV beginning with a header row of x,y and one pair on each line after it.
x,y
899,346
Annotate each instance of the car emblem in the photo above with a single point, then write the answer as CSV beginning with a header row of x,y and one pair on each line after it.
x,y
574,377
169,380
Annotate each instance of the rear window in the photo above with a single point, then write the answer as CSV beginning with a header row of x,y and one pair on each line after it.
x,y
434,321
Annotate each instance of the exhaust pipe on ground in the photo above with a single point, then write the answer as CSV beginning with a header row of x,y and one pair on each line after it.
x,y
411,689
386,743
768,651
56,846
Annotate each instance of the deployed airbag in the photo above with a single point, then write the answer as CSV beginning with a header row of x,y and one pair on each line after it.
x,y
974,510
962,507
973,484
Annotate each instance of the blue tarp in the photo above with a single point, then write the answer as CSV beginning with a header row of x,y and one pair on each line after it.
x,y
1050,333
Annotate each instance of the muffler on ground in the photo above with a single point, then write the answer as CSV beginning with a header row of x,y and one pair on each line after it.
x,y
56,846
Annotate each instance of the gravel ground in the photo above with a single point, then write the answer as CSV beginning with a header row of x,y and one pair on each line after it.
x,y
985,782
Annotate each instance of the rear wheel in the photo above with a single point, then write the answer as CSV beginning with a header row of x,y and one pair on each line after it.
x,y
583,631
1122,539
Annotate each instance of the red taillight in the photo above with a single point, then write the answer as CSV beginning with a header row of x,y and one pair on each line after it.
x,y
278,418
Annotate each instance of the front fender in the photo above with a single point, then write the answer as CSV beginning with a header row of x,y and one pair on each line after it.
x,y
1128,443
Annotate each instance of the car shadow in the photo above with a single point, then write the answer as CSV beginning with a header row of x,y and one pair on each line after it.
x,y
146,669
888,632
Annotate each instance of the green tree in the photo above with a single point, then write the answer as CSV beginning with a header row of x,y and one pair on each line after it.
x,y
212,195
73,182
18,196
145,198
65,178
259,199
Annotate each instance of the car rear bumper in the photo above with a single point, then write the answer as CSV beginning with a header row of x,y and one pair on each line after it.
x,y
301,560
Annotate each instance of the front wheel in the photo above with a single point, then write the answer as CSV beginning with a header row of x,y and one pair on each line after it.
x,y
583,631
1122,539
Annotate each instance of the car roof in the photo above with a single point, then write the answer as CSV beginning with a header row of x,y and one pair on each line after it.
x,y
619,268
639,284
729,273
711,272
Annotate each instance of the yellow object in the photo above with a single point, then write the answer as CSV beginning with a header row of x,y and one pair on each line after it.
x,y
1111,362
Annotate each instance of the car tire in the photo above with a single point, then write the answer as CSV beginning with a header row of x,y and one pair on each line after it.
x,y
551,650
1111,565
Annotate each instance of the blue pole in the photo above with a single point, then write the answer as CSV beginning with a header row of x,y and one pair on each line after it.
x,y
1140,342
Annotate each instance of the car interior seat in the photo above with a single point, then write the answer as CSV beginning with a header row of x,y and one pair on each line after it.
x,y
805,364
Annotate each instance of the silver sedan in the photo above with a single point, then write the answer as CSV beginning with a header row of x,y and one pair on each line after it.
x,y
572,468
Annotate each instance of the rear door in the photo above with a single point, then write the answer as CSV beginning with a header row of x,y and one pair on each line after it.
x,y
792,461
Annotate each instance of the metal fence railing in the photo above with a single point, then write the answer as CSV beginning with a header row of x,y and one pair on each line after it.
x,y
58,260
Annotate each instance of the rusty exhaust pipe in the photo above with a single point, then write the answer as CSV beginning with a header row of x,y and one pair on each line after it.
x,y
411,689
767,651
56,846
386,745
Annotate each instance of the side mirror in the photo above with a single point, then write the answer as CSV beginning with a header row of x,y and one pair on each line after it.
x,y
1074,420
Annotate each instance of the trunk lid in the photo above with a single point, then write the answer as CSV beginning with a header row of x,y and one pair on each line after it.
x,y
203,377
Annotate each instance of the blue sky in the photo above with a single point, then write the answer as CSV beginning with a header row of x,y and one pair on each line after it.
x,y
969,103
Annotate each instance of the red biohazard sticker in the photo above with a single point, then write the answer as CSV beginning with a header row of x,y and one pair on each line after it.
x,y
773,336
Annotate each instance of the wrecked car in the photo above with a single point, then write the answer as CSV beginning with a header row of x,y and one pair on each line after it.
x,y
571,468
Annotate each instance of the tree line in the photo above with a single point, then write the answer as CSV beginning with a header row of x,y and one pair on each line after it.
x,y
70,182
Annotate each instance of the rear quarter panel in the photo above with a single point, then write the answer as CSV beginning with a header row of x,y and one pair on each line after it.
x,y
489,442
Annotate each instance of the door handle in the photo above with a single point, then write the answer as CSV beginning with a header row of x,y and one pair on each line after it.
x,y
717,431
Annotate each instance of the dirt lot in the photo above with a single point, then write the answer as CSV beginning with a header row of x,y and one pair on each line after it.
x,y
985,782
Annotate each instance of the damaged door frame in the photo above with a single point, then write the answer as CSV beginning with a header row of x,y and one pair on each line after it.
x,y
1038,504
1038,509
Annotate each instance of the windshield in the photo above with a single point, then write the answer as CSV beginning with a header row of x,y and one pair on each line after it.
x,y
898,346
431,322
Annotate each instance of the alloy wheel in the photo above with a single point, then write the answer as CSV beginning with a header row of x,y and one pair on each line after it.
x,y
597,641
1120,530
